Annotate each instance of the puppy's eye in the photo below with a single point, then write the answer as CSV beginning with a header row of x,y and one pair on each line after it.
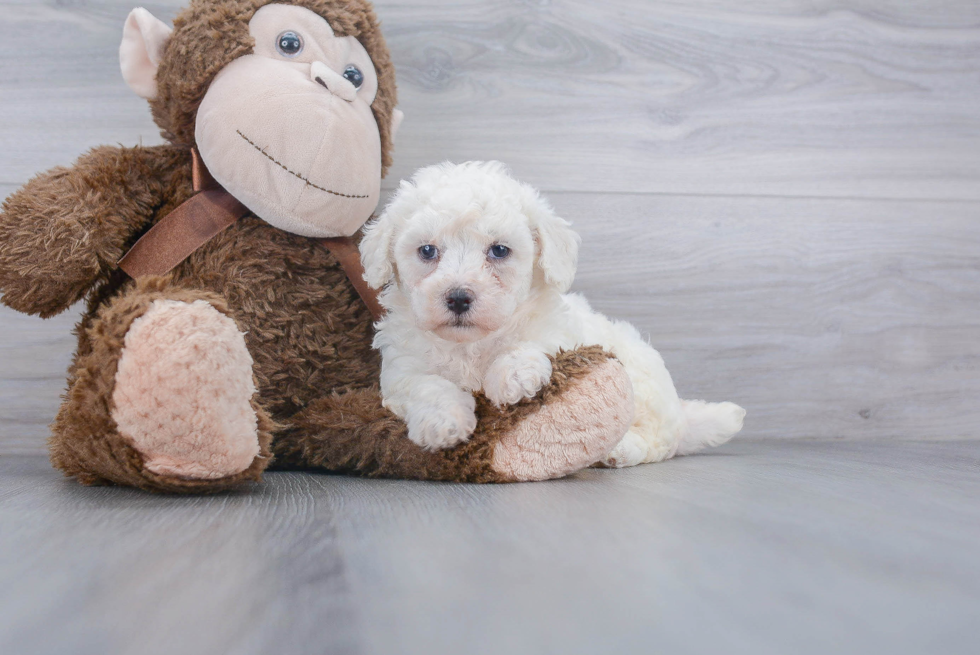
x,y
428,252
289,44
498,251
354,75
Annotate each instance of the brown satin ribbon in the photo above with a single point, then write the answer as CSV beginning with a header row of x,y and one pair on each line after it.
x,y
181,232
209,211
344,249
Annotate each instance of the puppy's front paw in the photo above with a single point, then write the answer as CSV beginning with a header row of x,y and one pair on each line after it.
x,y
516,375
442,422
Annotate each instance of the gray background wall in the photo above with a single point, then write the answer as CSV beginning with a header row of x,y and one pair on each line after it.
x,y
784,195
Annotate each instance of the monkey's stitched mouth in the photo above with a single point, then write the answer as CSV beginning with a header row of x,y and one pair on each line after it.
x,y
294,173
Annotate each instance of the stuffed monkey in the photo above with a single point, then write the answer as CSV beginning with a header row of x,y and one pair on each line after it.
x,y
255,348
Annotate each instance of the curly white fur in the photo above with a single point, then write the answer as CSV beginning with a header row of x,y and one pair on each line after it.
x,y
519,312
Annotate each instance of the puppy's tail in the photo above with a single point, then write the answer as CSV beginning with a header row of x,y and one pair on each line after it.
x,y
709,424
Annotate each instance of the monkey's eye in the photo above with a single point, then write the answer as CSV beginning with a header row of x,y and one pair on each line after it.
x,y
289,44
428,252
354,75
498,251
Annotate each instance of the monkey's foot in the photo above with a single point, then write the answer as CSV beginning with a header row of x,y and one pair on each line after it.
x,y
183,392
582,420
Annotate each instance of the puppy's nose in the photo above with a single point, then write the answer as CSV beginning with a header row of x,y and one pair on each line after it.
x,y
458,301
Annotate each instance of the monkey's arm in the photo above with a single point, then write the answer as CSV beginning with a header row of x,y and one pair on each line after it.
x,y
573,422
65,229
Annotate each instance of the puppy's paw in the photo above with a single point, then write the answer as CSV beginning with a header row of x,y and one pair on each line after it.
x,y
630,451
516,375
443,421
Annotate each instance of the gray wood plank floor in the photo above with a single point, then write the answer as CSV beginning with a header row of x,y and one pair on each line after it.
x,y
825,98
758,547
774,303
785,196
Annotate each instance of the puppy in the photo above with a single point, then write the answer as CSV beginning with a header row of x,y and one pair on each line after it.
x,y
475,267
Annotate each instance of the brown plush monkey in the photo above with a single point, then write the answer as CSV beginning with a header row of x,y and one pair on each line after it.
x,y
255,349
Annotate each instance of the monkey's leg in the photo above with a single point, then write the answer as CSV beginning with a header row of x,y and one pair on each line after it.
x,y
573,422
161,396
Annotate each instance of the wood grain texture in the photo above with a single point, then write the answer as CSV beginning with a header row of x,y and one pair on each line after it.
x,y
34,358
848,318
803,547
814,99
823,98
705,150
825,316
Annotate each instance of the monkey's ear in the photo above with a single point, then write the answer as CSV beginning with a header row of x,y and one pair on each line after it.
x,y
144,38
397,117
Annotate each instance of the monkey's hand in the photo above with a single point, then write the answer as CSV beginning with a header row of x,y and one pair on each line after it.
x,y
65,229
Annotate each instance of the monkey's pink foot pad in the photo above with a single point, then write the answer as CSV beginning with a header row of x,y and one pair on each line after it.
x,y
183,392
571,432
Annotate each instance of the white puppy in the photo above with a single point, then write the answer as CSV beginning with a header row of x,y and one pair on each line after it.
x,y
475,267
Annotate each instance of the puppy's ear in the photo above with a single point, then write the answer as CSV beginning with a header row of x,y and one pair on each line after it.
x,y
376,255
557,242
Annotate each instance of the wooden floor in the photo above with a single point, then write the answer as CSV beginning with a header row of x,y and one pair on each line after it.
x,y
758,547
785,196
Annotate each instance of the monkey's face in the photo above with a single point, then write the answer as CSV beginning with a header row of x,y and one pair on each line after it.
x,y
288,129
